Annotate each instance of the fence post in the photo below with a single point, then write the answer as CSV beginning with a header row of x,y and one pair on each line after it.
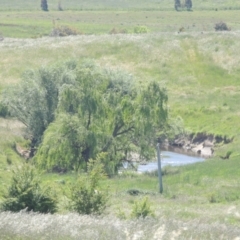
x,y
159,169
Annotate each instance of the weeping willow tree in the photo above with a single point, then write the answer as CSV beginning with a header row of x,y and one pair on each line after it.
x,y
102,111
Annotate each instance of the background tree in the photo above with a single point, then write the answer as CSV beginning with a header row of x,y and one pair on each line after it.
x,y
188,4
177,4
44,5
102,111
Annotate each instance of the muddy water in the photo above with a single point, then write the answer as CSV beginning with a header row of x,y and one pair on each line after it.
x,y
170,158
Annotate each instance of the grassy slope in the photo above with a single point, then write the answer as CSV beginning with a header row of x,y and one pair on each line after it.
x,y
203,83
32,24
201,73
203,90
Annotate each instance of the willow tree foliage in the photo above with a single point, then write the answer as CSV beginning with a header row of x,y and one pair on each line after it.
x,y
102,111
35,99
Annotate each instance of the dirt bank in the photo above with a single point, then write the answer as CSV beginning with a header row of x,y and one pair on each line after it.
x,y
200,144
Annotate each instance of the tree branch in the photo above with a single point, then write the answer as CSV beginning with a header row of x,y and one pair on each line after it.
x,y
125,131
89,120
116,129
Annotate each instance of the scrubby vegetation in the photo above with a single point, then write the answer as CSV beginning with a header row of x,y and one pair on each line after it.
x,y
63,31
222,26
86,194
26,193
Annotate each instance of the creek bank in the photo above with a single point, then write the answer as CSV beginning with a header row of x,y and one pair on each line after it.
x,y
200,144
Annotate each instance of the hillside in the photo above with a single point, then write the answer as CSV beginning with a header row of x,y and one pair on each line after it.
x,y
200,68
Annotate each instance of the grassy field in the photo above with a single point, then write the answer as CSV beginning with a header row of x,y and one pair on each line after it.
x,y
117,4
33,24
200,68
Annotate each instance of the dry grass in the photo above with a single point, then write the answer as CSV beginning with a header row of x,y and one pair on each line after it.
x,y
72,226
130,51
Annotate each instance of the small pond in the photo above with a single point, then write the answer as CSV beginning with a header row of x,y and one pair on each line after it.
x,y
169,158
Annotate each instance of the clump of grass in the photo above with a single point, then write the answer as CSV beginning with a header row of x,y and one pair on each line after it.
x,y
117,31
142,208
141,29
63,31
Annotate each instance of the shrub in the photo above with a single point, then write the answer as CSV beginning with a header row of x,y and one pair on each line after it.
x,y
25,193
63,31
142,209
222,26
117,31
86,196
141,29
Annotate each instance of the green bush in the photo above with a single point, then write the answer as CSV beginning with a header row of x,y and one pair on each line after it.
x,y
25,193
141,29
142,209
86,195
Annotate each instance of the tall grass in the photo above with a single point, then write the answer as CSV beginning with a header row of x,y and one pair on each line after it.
x,y
72,226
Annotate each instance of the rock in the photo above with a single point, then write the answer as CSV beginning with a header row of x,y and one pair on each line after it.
x,y
208,143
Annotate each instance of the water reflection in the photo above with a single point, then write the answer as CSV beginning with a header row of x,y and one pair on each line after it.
x,y
170,158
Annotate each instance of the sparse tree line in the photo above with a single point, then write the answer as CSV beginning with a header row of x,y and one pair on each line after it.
x,y
178,4
44,5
